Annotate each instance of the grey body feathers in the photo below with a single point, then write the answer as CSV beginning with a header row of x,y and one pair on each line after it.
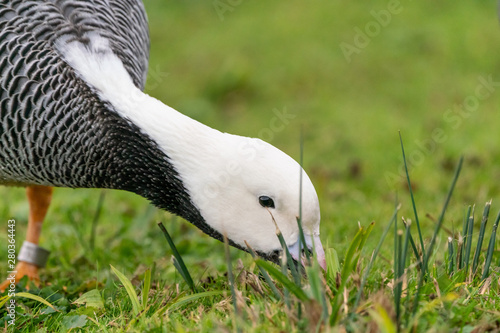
x,y
54,130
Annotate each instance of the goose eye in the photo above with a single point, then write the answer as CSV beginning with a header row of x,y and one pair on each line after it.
x,y
266,201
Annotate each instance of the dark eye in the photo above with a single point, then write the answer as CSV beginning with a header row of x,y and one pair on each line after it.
x,y
266,201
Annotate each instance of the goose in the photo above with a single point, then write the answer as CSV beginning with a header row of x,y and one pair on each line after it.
x,y
73,114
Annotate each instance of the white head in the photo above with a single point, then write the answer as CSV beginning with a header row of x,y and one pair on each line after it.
x,y
244,185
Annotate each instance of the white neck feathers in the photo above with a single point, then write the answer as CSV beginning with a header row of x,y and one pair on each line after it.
x,y
184,140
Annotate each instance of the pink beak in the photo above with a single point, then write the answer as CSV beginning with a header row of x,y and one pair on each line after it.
x,y
311,242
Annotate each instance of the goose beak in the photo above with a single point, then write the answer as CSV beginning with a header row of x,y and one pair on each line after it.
x,y
312,242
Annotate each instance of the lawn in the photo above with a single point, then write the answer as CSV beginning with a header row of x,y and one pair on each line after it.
x,y
350,76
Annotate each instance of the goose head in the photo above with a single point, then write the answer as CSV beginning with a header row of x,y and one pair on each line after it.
x,y
247,188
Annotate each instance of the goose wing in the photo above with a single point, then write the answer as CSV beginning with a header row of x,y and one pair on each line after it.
x,y
54,129
122,22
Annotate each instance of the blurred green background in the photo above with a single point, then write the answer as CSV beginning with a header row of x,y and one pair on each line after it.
x,y
232,64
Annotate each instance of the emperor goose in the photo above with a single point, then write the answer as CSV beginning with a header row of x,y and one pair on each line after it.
x,y
73,114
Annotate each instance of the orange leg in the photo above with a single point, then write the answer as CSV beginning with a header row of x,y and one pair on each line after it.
x,y
39,200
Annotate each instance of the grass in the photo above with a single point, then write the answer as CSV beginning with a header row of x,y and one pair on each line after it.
x,y
235,75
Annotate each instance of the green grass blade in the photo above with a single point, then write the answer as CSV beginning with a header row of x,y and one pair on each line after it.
x,y
469,241
434,236
303,242
366,233
451,256
460,247
398,281
396,255
194,297
36,298
374,256
463,241
286,293
313,274
181,267
314,283
364,236
290,285
491,249
95,220
4,300
350,255
230,275
289,259
302,238
146,287
412,198
415,250
403,264
346,271
187,299
136,306
405,246
480,239
332,263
